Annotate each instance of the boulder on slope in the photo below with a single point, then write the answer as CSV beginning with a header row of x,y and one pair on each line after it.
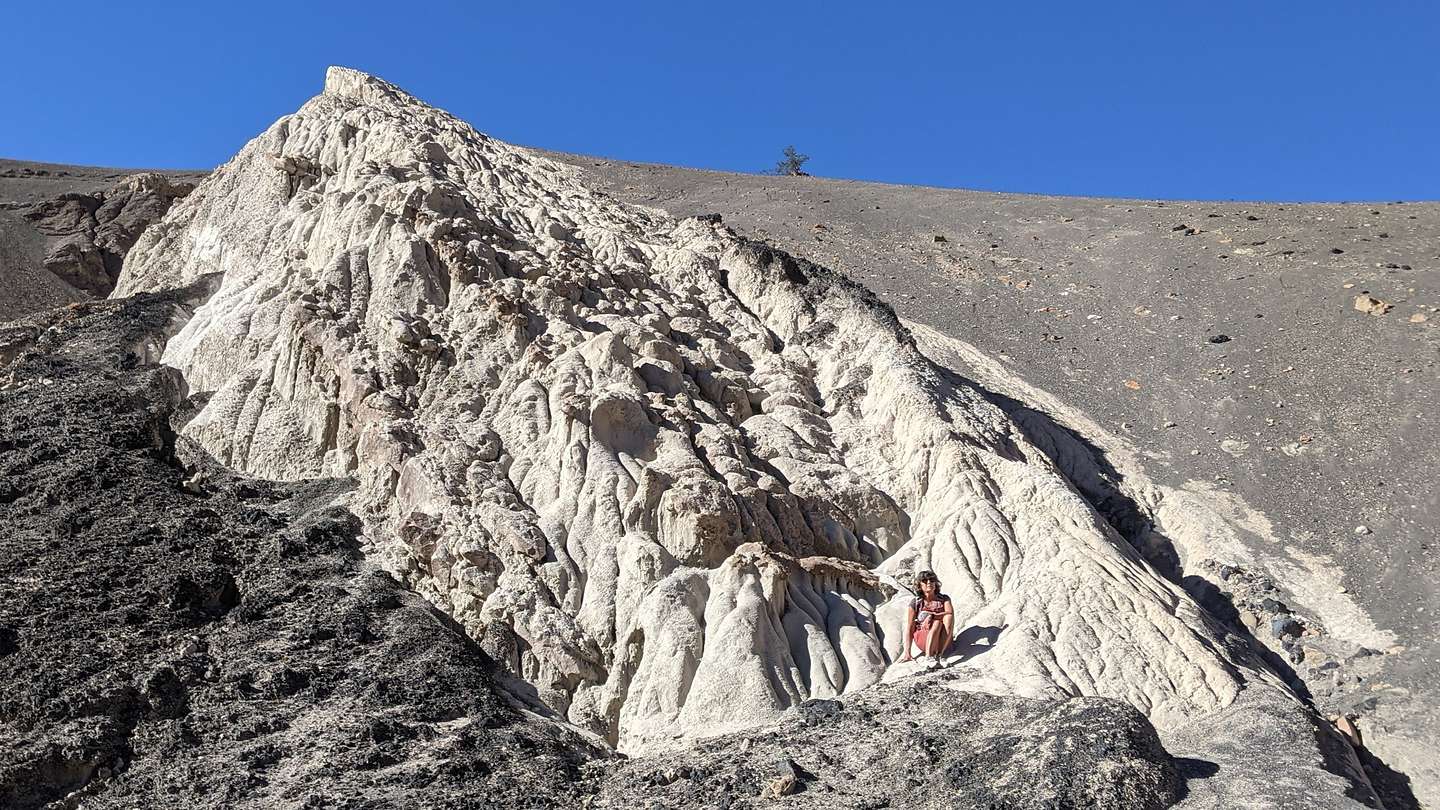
x,y
916,745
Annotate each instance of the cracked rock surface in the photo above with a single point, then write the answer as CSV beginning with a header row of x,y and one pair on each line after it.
x,y
871,753
172,634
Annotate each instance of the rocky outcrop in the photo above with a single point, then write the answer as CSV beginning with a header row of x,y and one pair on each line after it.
x,y
917,745
91,233
171,630
673,479
1207,359
220,641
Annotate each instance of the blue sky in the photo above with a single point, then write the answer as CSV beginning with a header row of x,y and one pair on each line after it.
x,y
1221,100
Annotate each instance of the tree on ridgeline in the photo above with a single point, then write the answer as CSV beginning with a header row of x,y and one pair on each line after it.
x,y
792,162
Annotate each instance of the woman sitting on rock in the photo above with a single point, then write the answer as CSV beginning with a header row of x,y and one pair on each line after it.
x,y
930,622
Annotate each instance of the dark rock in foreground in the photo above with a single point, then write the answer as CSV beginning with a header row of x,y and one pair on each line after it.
x,y
918,745
221,644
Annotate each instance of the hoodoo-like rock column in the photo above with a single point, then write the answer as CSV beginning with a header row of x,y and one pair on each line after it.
x,y
673,479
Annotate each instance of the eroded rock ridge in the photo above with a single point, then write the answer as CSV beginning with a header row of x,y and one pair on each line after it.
x,y
673,479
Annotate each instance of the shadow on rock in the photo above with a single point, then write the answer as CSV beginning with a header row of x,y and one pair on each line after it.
x,y
975,641
1191,769
1393,786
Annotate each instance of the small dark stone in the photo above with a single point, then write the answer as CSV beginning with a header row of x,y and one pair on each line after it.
x,y
1284,626
819,709
1219,338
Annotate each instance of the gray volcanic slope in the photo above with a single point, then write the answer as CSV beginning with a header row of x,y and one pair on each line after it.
x,y
1219,347
49,218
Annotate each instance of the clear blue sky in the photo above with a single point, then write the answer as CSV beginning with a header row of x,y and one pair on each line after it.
x,y
1262,99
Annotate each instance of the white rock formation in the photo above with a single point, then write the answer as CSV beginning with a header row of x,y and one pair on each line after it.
x,y
668,476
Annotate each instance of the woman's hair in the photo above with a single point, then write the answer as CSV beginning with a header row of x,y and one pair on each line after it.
x,y
926,576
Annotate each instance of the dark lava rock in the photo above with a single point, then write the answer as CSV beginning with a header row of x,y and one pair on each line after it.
x,y
159,648
1285,625
917,745
1274,606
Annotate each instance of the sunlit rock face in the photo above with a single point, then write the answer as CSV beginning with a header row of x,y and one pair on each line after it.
x,y
675,480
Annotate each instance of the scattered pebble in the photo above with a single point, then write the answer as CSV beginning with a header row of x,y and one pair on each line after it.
x,y
1372,305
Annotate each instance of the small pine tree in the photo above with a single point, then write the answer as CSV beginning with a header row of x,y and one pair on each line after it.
x,y
792,162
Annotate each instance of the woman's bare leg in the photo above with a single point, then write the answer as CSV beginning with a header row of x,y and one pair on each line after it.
x,y
936,641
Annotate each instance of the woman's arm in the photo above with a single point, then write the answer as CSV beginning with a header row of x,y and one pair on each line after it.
x,y
909,628
949,622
